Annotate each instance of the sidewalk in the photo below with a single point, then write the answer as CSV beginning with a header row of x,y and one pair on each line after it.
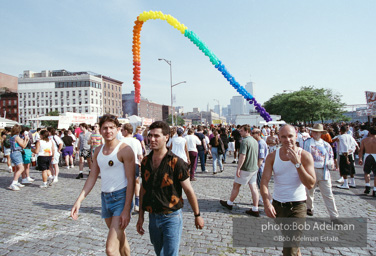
x,y
36,221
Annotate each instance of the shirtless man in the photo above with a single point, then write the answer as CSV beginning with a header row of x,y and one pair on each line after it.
x,y
368,147
272,141
115,161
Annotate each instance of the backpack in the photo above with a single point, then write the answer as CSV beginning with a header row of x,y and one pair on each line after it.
x,y
6,142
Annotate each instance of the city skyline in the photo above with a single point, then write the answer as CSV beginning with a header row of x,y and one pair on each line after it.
x,y
283,45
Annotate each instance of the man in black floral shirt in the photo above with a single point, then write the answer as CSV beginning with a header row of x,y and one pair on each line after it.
x,y
164,176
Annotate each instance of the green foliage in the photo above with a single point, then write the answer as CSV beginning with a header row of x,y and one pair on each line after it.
x,y
178,120
53,124
306,105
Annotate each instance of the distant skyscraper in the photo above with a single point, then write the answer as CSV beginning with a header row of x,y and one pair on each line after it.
x,y
217,109
248,107
237,105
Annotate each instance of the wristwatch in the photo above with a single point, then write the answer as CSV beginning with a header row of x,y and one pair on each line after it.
x,y
197,215
298,165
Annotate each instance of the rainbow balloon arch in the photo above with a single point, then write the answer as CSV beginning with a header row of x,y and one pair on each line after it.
x,y
145,16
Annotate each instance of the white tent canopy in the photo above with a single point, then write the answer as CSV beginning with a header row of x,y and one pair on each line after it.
x,y
6,122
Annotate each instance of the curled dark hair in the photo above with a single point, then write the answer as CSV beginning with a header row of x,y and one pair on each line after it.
x,y
160,124
108,118
44,134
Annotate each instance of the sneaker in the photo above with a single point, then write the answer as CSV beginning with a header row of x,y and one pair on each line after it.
x,y
367,190
253,213
343,187
205,171
50,181
67,167
340,180
20,185
13,187
26,181
10,169
234,162
215,173
352,185
309,212
55,180
43,186
80,176
222,169
136,208
30,179
224,203
72,166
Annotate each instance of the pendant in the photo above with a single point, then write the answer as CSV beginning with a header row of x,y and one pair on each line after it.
x,y
110,163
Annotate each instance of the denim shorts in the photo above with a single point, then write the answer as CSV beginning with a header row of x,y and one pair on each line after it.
x,y
113,203
16,158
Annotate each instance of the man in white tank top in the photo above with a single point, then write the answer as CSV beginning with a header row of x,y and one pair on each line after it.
x,y
293,170
116,163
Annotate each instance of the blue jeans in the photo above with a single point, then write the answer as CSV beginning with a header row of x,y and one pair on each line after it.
x,y
201,155
216,158
224,155
165,232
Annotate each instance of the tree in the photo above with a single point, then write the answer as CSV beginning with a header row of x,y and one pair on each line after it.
x,y
178,120
306,105
53,124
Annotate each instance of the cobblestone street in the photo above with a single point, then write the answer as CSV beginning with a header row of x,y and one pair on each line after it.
x,y
36,221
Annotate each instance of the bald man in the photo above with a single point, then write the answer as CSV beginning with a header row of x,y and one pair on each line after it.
x,y
293,172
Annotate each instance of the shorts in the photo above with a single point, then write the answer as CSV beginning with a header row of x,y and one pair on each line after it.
x,y
237,145
344,168
16,158
369,164
231,146
26,158
137,170
246,177
68,150
44,163
56,158
113,203
85,153
6,151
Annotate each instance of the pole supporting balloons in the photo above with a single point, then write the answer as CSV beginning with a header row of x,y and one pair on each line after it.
x,y
145,16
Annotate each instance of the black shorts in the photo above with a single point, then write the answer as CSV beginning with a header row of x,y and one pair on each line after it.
x,y
344,168
85,153
369,165
237,144
44,163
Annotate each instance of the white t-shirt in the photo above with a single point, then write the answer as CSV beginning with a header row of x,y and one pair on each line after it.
x,y
57,141
347,143
192,141
135,144
363,134
178,147
302,137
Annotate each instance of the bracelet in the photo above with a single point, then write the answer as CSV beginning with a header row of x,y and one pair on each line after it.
x,y
198,215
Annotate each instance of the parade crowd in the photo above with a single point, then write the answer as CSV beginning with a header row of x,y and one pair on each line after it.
x,y
148,168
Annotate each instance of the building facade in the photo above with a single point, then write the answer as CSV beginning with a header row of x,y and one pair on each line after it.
x,y
112,99
9,105
8,82
145,108
64,91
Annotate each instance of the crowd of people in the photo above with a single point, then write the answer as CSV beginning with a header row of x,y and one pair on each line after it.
x,y
155,164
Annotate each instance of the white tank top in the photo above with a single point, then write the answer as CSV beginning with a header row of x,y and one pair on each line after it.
x,y
287,185
112,171
45,148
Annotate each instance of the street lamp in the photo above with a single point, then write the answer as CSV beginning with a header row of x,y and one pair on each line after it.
x,y
172,85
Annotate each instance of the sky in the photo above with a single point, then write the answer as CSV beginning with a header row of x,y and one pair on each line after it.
x,y
278,45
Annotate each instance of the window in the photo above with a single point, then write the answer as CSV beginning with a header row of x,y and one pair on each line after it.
x,y
55,94
85,92
42,94
51,104
104,85
46,102
28,103
79,93
37,94
68,109
92,93
14,102
105,101
56,102
112,86
80,109
86,100
33,102
74,101
20,95
62,110
104,93
96,94
29,94
33,94
74,93
112,95
92,109
92,100
62,101
96,101
67,93
61,94
34,111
